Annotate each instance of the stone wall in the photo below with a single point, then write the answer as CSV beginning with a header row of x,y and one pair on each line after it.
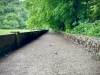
x,y
15,40
91,44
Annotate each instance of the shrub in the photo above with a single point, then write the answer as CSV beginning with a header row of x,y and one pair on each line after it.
x,y
86,28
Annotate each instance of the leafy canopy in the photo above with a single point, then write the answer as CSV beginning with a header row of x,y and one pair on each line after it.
x,y
74,16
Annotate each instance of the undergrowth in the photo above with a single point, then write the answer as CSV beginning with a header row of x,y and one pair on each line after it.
x,y
86,28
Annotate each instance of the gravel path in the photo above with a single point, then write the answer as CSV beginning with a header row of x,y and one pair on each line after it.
x,y
51,54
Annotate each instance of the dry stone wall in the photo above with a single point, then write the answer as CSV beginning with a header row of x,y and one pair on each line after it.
x,y
91,44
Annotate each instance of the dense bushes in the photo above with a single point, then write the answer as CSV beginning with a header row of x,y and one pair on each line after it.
x,y
87,28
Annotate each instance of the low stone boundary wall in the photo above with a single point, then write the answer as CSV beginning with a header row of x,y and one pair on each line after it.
x,y
15,40
91,44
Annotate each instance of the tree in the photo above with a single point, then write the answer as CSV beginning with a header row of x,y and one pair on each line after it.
x,y
61,14
12,11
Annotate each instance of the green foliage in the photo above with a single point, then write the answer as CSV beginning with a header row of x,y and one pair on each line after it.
x,y
91,29
74,16
12,14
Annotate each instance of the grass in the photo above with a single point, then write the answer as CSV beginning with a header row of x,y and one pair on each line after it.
x,y
6,31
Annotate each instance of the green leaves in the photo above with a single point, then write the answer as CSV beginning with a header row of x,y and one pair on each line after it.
x,y
91,29
12,14
75,15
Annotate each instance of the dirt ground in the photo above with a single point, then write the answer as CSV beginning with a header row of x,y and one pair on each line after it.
x,y
51,54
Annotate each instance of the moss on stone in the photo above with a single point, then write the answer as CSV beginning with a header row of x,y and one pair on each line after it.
x,y
96,57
